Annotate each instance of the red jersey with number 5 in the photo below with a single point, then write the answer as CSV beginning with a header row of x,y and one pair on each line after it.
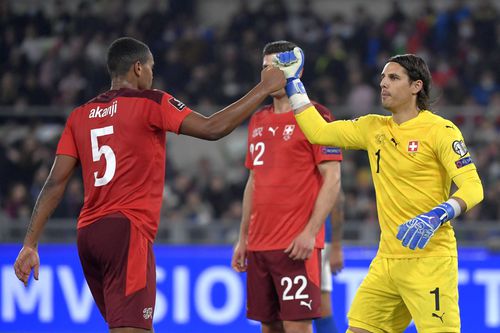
x,y
286,178
119,139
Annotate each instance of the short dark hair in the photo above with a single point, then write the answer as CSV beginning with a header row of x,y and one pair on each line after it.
x,y
278,46
417,69
123,53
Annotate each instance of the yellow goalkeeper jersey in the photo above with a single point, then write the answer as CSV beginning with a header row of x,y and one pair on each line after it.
x,y
412,166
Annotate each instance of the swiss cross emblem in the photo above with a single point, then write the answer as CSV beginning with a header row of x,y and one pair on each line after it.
x,y
413,146
288,131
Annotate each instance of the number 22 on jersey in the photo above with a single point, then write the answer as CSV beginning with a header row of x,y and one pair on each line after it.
x,y
257,151
105,150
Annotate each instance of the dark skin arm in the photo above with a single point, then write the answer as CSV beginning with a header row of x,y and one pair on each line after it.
x,y
226,120
47,201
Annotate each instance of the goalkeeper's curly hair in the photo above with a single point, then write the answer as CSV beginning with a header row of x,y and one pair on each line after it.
x,y
278,46
417,69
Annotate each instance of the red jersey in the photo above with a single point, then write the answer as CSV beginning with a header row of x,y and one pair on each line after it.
x,y
286,178
119,139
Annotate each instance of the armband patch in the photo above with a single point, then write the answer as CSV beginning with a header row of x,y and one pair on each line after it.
x,y
463,162
177,104
330,150
459,148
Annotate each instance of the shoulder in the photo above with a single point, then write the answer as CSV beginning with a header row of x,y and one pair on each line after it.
x,y
437,122
373,119
154,95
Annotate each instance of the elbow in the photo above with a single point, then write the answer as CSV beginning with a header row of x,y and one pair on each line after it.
x,y
216,130
479,193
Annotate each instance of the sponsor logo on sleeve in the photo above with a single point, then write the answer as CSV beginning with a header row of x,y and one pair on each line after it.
x,y
330,151
463,162
459,148
177,104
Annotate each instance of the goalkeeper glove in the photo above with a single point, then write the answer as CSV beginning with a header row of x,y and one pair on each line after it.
x,y
292,63
418,231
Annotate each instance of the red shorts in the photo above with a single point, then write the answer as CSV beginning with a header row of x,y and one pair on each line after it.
x,y
279,288
119,266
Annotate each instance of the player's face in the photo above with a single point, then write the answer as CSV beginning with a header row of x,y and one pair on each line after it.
x,y
397,92
146,78
268,61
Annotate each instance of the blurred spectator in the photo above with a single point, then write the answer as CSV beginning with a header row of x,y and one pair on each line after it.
x,y
18,203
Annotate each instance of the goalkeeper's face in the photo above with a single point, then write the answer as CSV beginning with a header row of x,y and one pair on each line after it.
x,y
268,61
397,91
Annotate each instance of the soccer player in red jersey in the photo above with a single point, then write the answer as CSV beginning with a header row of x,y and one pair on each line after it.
x,y
119,139
292,187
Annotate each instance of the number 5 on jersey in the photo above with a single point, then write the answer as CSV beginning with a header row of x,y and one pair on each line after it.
x,y
108,153
257,150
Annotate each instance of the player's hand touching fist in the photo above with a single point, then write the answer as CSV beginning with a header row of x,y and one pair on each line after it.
x,y
272,79
292,64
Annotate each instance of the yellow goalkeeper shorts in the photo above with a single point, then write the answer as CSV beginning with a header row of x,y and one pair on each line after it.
x,y
397,290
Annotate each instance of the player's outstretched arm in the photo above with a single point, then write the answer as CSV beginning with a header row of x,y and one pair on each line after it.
x,y
47,201
225,121
316,129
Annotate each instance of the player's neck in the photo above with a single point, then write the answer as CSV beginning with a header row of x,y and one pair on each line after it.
x,y
400,116
122,82
281,104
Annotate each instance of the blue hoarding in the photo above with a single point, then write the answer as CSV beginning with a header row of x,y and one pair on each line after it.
x,y
199,293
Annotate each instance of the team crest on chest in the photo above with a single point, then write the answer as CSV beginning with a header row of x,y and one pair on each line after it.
x,y
380,139
413,146
257,132
288,132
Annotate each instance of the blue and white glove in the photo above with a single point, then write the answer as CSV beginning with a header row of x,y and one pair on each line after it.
x,y
292,63
418,231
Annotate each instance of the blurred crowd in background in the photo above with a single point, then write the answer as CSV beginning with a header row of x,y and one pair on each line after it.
x,y
58,59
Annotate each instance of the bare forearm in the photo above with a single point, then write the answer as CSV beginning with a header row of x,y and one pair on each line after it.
x,y
323,206
337,219
47,201
225,121
247,207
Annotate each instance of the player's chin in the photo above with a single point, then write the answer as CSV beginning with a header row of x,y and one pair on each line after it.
x,y
386,105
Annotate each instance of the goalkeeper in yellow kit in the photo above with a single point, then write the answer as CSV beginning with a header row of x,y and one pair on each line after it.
x,y
414,156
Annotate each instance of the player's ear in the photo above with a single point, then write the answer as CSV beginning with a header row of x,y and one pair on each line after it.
x,y
417,86
137,67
